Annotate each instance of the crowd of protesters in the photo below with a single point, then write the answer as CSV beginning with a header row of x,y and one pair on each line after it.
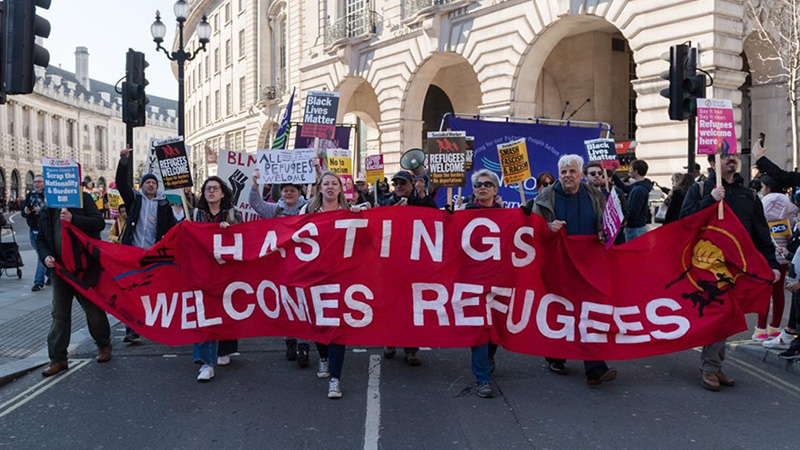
x,y
572,201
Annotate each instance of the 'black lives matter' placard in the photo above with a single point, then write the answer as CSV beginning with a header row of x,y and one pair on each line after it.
x,y
319,117
447,158
173,162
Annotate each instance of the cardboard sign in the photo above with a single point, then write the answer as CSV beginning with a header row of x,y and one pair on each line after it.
x,y
173,162
62,183
319,117
470,153
603,151
447,158
612,218
349,187
716,131
114,200
338,161
626,152
374,166
236,168
514,161
286,166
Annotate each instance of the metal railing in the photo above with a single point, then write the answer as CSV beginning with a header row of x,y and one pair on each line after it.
x,y
354,25
415,6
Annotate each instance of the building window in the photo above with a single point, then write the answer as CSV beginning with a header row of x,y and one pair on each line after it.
x,y
227,12
70,134
200,67
200,108
216,23
228,100
40,127
10,114
26,123
217,106
208,110
241,5
55,123
216,60
241,43
279,55
240,140
208,73
227,52
242,93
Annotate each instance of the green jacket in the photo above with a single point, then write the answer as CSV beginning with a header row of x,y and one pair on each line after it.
x,y
543,204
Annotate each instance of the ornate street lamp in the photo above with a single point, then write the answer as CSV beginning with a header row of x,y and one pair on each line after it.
x,y
159,30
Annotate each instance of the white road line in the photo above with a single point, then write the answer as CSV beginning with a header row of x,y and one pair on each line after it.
x,y
372,425
33,391
11,219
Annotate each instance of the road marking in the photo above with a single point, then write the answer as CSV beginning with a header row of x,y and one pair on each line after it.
x,y
11,219
33,391
372,425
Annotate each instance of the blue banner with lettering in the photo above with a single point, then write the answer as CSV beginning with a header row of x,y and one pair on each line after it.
x,y
546,143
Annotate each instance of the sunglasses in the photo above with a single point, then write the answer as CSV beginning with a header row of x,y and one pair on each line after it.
x,y
212,188
481,184
399,183
593,173
545,184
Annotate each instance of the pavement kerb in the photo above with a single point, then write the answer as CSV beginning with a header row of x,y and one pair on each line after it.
x,y
12,370
757,353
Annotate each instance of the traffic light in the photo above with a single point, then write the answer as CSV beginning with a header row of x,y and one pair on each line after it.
x,y
694,85
134,100
676,77
21,52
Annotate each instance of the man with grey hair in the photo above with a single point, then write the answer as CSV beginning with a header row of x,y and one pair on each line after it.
x,y
569,203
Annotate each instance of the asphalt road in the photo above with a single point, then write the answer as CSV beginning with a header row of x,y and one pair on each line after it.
x,y
147,397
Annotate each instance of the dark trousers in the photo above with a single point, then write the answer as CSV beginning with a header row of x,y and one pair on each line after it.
x,y
594,369
794,311
60,330
228,347
335,355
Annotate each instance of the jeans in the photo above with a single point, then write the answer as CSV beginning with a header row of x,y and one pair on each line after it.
x,y
60,330
480,363
205,353
41,270
335,355
711,356
633,233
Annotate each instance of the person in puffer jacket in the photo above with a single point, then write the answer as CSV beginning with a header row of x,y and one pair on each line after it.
x,y
781,215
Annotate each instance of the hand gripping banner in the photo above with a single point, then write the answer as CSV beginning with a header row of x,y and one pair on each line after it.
x,y
417,277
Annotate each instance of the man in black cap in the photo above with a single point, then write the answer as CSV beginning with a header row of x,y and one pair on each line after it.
x,y
149,214
407,192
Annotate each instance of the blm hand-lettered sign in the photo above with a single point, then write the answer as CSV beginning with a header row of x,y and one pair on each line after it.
x,y
319,118
173,163
603,151
447,158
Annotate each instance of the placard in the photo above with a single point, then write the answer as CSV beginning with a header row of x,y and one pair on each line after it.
x,y
514,161
469,149
286,166
603,151
173,195
374,166
236,168
447,158
173,163
319,117
339,161
62,183
612,218
716,131
114,200
348,186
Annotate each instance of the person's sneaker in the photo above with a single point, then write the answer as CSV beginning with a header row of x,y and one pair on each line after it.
x,y
484,390
132,338
291,349
780,342
206,373
608,375
760,335
302,355
37,287
334,388
557,367
709,380
223,360
323,369
791,354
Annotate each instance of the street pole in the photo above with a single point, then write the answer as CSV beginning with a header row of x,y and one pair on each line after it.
x,y
129,144
692,142
180,59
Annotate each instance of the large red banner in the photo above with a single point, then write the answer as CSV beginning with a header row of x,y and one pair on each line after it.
x,y
419,277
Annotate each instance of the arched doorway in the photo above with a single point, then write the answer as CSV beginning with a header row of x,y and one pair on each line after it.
x,y
28,181
359,107
101,183
14,193
3,193
436,105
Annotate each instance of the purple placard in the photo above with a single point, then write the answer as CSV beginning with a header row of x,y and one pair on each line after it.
x,y
612,218
716,132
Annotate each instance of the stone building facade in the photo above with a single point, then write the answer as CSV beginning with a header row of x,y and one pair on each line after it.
x,y
70,115
400,64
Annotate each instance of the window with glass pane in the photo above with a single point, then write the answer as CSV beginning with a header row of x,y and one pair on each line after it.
x,y
241,43
355,11
228,52
217,106
283,61
216,60
228,100
242,93
227,12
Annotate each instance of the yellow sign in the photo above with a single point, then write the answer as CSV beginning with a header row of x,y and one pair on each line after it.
x,y
514,161
114,200
374,166
780,228
340,161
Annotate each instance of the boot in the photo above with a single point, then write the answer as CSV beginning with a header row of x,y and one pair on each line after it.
x,y
709,380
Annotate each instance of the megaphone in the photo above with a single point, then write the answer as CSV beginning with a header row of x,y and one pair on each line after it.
x,y
413,160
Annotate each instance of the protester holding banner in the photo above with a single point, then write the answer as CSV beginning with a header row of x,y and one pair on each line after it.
x,y
638,199
748,209
34,203
485,185
48,245
781,215
118,228
577,207
330,197
215,206
149,215
407,192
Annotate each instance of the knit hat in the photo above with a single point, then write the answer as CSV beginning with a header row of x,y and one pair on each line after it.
x,y
148,176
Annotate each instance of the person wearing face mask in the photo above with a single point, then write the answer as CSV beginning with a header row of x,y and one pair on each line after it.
x,y
578,208
747,207
330,197
149,214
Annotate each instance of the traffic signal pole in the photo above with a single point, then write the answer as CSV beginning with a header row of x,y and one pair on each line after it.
x,y
129,144
692,142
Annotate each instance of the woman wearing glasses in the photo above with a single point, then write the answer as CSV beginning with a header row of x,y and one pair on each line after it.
x,y
215,205
485,184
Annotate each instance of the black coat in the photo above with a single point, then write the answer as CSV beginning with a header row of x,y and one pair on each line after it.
x,y
780,175
165,219
745,205
413,200
675,205
87,219
32,200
